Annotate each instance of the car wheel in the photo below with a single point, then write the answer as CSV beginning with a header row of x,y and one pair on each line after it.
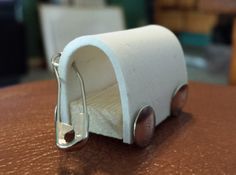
x,y
144,126
178,100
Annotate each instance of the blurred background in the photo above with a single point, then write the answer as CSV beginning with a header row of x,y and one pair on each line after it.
x,y
33,30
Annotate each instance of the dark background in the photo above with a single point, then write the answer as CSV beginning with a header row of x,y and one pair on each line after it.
x,y
205,34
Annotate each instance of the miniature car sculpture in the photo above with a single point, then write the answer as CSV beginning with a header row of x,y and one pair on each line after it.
x,y
120,84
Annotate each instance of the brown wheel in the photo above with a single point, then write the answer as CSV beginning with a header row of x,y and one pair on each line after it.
x,y
144,126
178,100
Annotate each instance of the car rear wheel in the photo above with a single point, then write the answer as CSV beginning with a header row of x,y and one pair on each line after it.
x,y
179,99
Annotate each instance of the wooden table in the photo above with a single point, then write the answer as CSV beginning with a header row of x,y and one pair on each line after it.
x,y
200,141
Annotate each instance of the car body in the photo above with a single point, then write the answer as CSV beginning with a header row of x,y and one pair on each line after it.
x,y
148,65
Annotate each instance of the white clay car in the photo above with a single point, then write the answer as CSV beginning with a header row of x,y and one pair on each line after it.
x,y
120,84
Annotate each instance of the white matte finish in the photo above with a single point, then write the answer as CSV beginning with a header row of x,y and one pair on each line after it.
x,y
104,110
147,62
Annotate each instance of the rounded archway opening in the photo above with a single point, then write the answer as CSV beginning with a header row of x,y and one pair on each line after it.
x,y
102,92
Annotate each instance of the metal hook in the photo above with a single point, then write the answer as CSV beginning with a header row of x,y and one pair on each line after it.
x,y
76,133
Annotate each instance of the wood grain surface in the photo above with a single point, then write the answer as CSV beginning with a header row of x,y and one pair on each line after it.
x,y
200,141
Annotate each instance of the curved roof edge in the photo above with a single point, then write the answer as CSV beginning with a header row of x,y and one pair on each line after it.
x,y
67,59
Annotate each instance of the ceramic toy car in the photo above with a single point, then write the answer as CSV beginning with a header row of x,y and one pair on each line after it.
x,y
119,84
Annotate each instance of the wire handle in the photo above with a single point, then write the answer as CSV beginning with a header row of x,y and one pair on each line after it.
x,y
74,134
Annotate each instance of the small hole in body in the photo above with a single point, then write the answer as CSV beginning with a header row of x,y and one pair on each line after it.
x,y
69,136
